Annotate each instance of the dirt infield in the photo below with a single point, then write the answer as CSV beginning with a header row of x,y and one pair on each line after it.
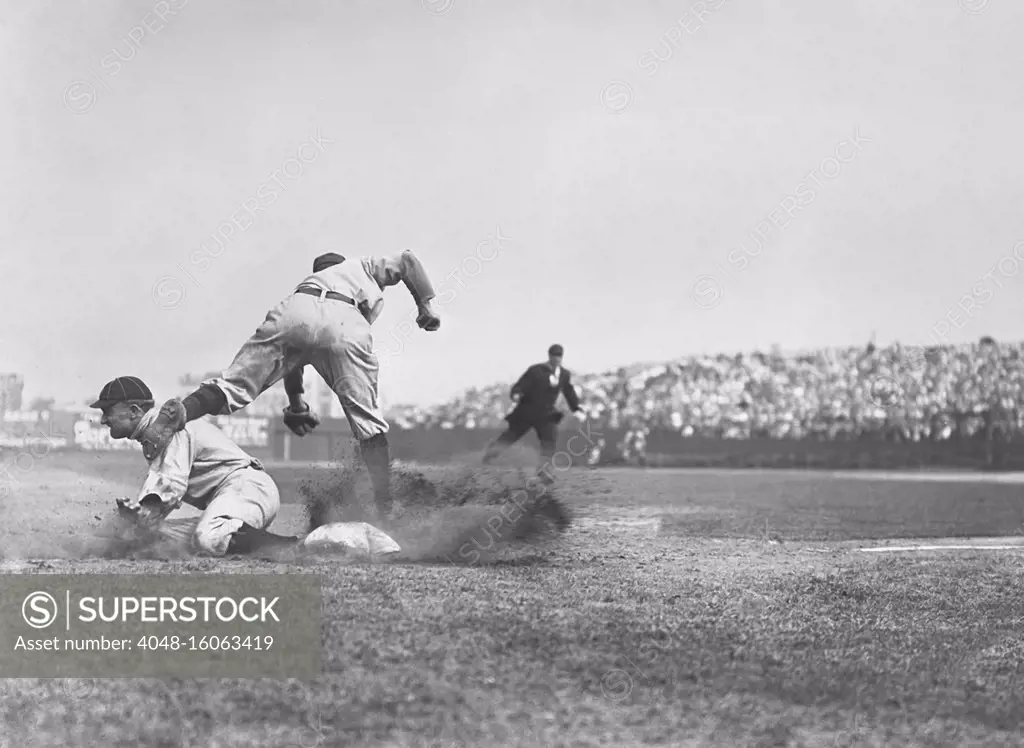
x,y
695,608
65,509
63,506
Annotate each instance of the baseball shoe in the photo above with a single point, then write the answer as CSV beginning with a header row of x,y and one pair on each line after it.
x,y
249,539
168,422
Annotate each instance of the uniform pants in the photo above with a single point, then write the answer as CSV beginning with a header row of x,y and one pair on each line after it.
x,y
332,336
247,496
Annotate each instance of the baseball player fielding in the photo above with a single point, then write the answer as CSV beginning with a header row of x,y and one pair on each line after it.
x,y
324,322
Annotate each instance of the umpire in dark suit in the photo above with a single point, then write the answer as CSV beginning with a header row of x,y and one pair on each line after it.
x,y
535,395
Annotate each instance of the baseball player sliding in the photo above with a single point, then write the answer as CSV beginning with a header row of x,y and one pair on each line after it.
x,y
200,466
325,322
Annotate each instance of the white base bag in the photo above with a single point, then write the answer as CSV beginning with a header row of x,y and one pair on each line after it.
x,y
357,539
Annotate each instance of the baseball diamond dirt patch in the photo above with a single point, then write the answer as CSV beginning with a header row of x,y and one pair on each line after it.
x,y
680,608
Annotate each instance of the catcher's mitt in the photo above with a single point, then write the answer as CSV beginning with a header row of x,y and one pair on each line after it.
x,y
300,422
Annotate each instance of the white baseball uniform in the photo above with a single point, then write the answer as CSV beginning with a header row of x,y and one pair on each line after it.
x,y
202,467
332,335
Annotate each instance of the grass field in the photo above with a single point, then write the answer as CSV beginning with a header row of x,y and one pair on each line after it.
x,y
681,609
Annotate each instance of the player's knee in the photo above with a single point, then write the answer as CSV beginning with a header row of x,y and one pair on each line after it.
x,y
213,538
211,543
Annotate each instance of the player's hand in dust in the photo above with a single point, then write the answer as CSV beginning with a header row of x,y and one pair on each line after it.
x,y
146,516
124,511
151,512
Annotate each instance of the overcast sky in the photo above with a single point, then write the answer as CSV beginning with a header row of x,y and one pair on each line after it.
x,y
625,188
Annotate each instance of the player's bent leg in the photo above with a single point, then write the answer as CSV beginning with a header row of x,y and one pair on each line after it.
x,y
213,535
207,400
221,536
376,454
347,363
237,518
370,429
259,364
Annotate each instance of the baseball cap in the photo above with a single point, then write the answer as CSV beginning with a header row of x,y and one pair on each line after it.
x,y
122,389
556,350
324,261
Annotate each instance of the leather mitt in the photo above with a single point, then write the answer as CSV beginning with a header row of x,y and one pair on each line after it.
x,y
300,422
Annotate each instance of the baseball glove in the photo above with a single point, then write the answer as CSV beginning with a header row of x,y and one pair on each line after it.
x,y
428,319
300,422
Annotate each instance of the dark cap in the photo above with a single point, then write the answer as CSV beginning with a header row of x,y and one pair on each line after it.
x,y
326,260
123,390
555,350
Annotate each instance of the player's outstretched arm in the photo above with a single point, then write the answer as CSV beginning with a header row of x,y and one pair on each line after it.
x,y
415,277
405,267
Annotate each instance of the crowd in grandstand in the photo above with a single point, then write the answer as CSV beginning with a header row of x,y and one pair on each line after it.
x,y
898,392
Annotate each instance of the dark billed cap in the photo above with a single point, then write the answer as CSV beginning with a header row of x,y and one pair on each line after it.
x,y
556,350
123,390
326,260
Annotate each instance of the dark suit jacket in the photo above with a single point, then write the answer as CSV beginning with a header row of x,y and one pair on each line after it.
x,y
537,396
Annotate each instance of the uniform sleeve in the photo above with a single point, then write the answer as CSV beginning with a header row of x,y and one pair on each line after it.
x,y
405,267
293,381
168,473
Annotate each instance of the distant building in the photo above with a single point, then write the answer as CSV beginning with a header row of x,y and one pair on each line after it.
x,y
11,388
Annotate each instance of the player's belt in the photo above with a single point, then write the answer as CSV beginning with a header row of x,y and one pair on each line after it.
x,y
323,293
